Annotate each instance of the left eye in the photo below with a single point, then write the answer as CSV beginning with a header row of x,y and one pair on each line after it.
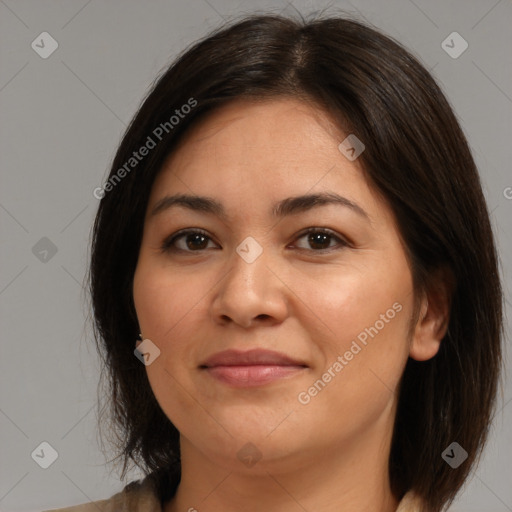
x,y
195,240
321,239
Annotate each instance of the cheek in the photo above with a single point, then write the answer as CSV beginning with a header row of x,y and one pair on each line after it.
x,y
167,305
171,307
347,303
165,300
364,320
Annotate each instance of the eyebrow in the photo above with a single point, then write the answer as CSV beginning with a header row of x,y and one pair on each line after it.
x,y
285,207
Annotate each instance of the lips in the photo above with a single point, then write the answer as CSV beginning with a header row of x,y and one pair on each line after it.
x,y
250,357
251,368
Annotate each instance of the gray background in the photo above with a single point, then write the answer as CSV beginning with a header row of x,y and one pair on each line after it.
x,y
61,119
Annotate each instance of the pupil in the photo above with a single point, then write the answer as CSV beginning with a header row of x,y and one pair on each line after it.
x,y
319,238
197,241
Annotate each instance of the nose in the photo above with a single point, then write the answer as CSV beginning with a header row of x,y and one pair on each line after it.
x,y
250,294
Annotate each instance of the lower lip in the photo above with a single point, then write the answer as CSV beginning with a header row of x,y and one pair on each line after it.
x,y
252,375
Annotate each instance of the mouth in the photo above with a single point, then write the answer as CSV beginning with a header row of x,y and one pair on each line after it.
x,y
251,368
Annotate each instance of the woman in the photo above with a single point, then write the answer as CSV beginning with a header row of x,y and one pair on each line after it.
x,y
295,227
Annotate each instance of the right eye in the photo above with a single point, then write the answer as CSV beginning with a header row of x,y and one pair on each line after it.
x,y
187,240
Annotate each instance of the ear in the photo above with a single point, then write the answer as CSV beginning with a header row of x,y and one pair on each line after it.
x,y
434,315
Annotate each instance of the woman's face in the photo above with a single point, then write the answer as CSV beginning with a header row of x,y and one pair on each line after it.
x,y
333,307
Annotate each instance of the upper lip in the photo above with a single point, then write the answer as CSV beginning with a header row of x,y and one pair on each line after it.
x,y
250,357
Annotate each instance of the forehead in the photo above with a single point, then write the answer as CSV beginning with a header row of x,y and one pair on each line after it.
x,y
255,150
270,128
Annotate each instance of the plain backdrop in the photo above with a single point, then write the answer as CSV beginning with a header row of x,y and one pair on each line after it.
x,y
62,117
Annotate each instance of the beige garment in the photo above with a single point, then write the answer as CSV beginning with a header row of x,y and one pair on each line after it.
x,y
141,497
138,496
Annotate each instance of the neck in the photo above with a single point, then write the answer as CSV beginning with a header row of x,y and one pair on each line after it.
x,y
351,477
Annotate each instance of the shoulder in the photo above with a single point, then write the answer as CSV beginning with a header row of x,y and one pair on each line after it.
x,y
137,496
411,502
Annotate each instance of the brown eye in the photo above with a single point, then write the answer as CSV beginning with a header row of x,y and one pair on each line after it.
x,y
187,241
321,239
194,240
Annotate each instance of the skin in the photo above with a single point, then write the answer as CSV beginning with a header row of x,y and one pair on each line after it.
x,y
297,298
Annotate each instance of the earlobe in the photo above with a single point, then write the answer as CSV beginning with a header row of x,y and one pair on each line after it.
x,y
433,319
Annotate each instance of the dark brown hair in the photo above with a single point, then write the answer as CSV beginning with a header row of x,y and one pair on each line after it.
x,y
416,156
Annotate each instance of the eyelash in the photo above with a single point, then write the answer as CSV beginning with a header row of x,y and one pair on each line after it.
x,y
168,244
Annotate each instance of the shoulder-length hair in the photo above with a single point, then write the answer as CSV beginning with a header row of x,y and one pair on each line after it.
x,y
416,156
